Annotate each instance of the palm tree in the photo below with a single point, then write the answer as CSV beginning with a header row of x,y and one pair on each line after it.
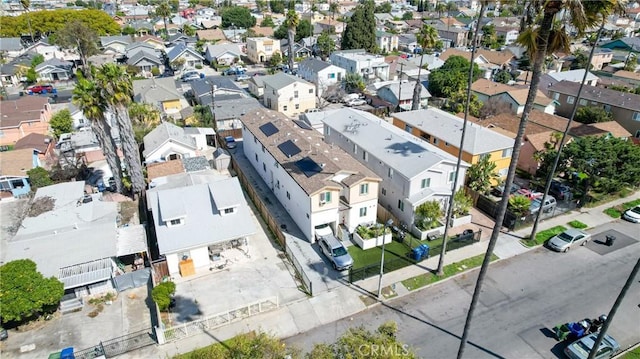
x,y
117,89
164,10
597,11
539,38
86,95
440,8
427,39
292,23
25,5
333,7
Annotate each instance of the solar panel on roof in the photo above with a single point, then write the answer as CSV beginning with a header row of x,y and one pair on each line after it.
x,y
269,129
308,166
289,148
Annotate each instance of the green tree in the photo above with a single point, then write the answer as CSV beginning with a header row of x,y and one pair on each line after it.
x,y
193,3
277,7
519,204
61,122
631,63
275,60
592,114
79,36
292,22
37,60
117,90
360,32
450,78
128,30
26,293
455,104
188,30
144,118
580,62
163,10
267,22
489,37
462,203
261,5
383,8
39,177
281,32
428,214
326,45
238,16
87,96
427,38
353,82
333,8
32,75
481,174
503,76
407,16
162,293
304,29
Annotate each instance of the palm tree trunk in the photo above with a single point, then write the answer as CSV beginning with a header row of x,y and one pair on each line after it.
x,y
130,150
102,130
415,104
291,35
166,31
556,160
462,137
543,39
30,30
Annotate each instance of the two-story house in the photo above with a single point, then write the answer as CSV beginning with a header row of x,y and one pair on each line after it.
x,y
509,33
624,107
549,79
412,170
456,36
321,73
400,94
359,61
512,97
601,59
260,49
316,183
145,57
443,130
386,42
288,94
28,114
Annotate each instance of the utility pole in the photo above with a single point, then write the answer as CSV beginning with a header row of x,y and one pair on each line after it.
x,y
400,87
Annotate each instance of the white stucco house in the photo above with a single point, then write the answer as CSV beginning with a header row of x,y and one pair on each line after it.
x,y
359,61
169,142
321,73
288,94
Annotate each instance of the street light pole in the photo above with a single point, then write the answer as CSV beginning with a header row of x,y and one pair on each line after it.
x,y
388,223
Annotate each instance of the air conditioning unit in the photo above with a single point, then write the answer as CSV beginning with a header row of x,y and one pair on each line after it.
x,y
322,203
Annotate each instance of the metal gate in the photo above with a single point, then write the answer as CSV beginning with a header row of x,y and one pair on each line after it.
x,y
116,346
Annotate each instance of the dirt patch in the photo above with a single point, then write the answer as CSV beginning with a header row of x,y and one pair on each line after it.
x,y
128,212
41,205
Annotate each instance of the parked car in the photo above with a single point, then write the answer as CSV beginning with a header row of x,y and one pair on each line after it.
x,y
528,193
243,77
549,204
581,348
312,110
498,190
336,252
233,71
356,102
563,241
190,76
230,142
41,89
632,214
560,191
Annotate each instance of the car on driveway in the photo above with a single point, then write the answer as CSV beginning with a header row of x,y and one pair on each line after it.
x,y
41,89
230,142
336,252
560,191
190,76
563,241
528,193
632,214
549,204
498,190
581,348
356,102
243,77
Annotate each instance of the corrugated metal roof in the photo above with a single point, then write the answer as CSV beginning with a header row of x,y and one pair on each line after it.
x,y
86,273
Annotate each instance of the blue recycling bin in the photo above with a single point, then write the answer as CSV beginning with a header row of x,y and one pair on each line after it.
x,y
67,353
420,252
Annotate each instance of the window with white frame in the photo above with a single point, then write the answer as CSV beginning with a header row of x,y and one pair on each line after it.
x,y
288,195
507,152
295,94
636,116
571,99
355,148
310,90
390,172
325,197
408,128
452,174
229,210
435,141
426,182
297,106
284,108
401,205
363,212
583,102
364,188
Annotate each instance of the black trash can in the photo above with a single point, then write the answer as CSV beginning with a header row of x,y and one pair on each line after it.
x,y
610,240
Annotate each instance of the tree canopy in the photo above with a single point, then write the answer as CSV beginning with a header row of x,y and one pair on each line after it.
x,y
360,32
50,21
39,177
78,35
25,292
592,114
237,16
326,45
61,122
451,78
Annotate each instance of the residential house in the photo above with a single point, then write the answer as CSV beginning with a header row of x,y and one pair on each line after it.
x,y
263,31
145,57
256,86
219,85
609,128
400,94
181,39
488,60
168,142
288,94
14,165
331,25
142,28
210,35
456,36
412,171
79,241
41,145
228,110
161,93
512,96
628,77
54,70
299,49
234,35
115,44
549,79
408,42
359,61
316,183
10,75
508,33
321,73
51,51
443,130
625,44
195,216
601,59
154,41
222,55
386,42
181,53
172,29
11,47
260,49
102,59
27,114
624,107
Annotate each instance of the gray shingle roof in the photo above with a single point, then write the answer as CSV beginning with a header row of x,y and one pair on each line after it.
x,y
106,40
448,127
203,86
314,65
11,44
281,80
143,54
194,164
179,49
235,108
218,50
166,132
155,90
598,94
400,150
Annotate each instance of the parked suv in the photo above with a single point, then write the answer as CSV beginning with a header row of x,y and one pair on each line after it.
x,y
190,76
549,204
560,191
41,89
335,251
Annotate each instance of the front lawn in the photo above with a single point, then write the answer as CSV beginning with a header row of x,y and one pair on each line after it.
x,y
449,270
543,236
396,256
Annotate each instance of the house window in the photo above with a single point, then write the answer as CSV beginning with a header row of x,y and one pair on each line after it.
x,y
401,205
435,141
310,90
571,99
264,166
503,172
364,188
331,76
288,195
583,102
607,108
295,94
507,152
355,148
262,148
637,134
256,157
325,197
175,222
255,139
636,116
276,165
426,182
365,155
228,210
446,144
426,137
384,191
284,108
556,96
408,128
297,106
363,212
327,131
452,174
268,48
390,172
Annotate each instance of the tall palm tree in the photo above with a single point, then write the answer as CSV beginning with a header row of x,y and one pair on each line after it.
x,y
86,95
164,10
440,8
117,89
26,4
597,11
548,9
333,7
427,38
292,23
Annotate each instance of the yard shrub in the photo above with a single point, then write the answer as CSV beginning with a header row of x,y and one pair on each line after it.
x,y
577,224
162,293
369,232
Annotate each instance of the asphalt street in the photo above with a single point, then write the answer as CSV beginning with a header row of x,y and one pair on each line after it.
x,y
522,300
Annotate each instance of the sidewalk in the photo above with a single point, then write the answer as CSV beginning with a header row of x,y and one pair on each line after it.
x,y
344,301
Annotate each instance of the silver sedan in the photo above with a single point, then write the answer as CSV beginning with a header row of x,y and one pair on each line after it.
x,y
563,241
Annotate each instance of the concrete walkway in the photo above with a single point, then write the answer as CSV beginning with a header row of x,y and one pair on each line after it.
x,y
347,300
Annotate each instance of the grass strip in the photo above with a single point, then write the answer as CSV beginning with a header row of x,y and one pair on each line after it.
x,y
422,280
543,236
